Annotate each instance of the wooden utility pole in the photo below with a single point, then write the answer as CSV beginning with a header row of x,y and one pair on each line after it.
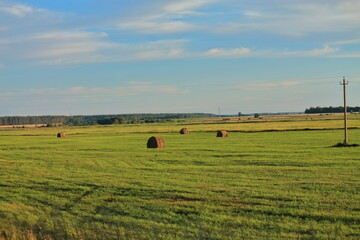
x,y
344,83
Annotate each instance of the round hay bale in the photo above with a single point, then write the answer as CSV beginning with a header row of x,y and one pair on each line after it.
x,y
61,135
155,142
184,131
221,133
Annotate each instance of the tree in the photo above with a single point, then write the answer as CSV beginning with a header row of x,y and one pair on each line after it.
x,y
113,120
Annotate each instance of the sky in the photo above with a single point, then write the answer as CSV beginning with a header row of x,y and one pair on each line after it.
x,y
73,57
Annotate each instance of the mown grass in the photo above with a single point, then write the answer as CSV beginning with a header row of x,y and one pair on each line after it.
x,y
102,183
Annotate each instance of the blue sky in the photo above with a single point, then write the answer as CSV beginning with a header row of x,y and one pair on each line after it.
x,y
125,56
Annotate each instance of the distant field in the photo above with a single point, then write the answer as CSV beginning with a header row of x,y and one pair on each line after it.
x,y
271,179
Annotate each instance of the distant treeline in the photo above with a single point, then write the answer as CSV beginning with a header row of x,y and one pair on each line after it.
x,y
331,109
100,119
23,120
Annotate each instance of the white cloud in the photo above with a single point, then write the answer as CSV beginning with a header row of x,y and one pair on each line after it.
x,y
45,38
246,52
152,27
16,9
140,89
252,14
186,5
298,18
95,52
55,92
67,44
326,50
77,47
345,42
67,35
130,89
270,85
233,52
42,37
351,54
166,17
53,45
290,18
7,96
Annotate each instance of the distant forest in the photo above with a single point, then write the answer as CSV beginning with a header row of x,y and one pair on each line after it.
x,y
331,109
100,119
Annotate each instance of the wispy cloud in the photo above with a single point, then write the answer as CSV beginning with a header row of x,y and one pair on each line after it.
x,y
247,52
76,47
309,53
157,50
296,18
234,52
186,6
351,54
252,14
167,17
130,89
38,36
16,9
65,48
345,42
150,27
270,85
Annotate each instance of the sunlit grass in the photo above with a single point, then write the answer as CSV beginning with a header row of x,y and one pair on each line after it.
x,y
103,183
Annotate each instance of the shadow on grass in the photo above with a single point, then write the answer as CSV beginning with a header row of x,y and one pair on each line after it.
x,y
345,145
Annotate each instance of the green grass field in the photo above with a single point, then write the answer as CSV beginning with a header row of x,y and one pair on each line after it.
x,y
101,182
